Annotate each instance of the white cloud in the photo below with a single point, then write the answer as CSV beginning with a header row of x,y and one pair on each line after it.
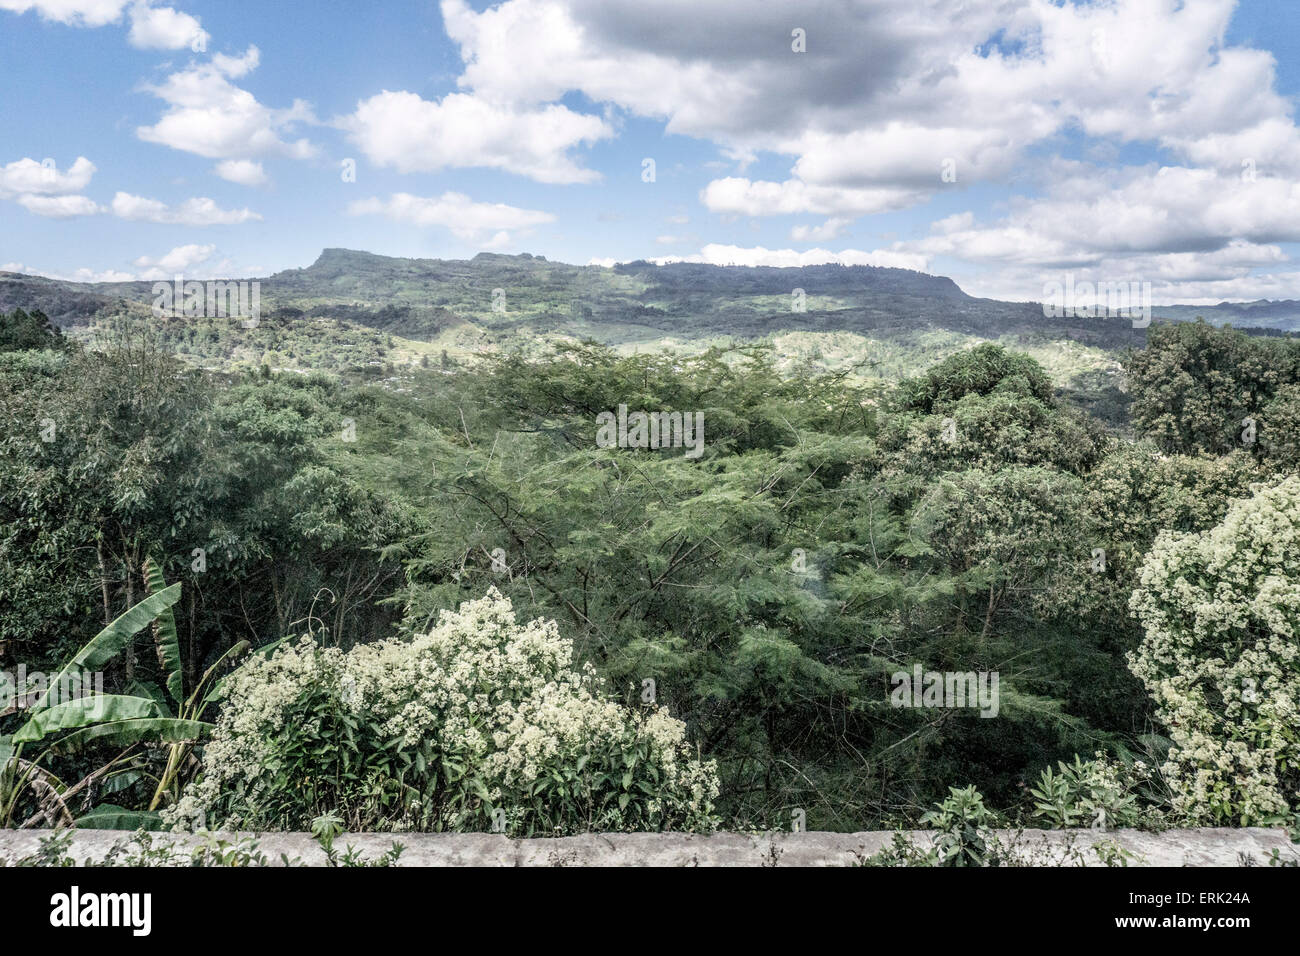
x,y
90,275
412,134
727,255
79,13
744,197
210,116
1091,213
60,207
178,260
77,275
246,172
489,224
162,28
27,176
832,228
200,211
891,93
152,28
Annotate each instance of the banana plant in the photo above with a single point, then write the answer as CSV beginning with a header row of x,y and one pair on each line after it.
x,y
142,716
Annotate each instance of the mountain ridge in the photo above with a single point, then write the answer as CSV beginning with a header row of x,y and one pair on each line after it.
x,y
421,297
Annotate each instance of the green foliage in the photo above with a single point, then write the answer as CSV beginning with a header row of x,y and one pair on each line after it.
x,y
1220,610
65,725
983,370
1195,386
20,330
1097,793
962,821
480,724
831,535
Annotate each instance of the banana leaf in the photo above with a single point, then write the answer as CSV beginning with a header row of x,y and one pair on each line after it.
x,y
109,642
122,732
147,688
164,634
109,816
84,712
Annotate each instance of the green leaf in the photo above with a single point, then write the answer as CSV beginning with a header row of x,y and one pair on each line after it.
x,y
109,642
476,785
161,729
164,633
84,712
120,781
147,688
109,816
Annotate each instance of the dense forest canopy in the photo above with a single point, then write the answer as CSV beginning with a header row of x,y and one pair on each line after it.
x,y
834,533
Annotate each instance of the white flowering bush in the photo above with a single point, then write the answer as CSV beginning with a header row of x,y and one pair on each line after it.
x,y
483,723
1221,612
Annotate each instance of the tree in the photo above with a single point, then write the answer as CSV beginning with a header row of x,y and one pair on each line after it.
x,y
1194,386
1221,658
20,330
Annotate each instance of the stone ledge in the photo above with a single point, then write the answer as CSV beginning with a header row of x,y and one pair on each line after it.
x,y
1195,847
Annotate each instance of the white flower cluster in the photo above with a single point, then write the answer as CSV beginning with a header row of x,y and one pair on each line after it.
x,y
1221,658
499,700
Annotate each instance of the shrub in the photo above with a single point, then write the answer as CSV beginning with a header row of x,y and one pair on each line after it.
x,y
483,723
1093,793
1221,658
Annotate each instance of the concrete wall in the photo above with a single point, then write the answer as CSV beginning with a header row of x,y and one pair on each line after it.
x,y
1201,847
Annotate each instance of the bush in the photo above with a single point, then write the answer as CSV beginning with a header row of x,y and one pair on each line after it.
x,y
1094,793
1221,658
982,370
483,723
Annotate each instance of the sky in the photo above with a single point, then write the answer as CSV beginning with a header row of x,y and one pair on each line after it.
x,y
1006,143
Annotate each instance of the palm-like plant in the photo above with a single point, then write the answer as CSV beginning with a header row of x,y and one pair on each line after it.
x,y
143,716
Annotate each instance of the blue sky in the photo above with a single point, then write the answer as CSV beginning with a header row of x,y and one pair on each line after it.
x,y
1149,140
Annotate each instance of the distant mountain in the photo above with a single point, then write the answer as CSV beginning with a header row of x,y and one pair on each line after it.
x,y
348,298
1283,314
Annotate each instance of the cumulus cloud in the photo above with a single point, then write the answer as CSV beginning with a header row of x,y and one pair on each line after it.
x,y
162,28
59,207
91,275
179,260
486,224
152,28
199,211
78,275
43,190
27,176
246,172
1090,213
744,197
209,115
832,228
412,134
717,254
77,13
897,100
